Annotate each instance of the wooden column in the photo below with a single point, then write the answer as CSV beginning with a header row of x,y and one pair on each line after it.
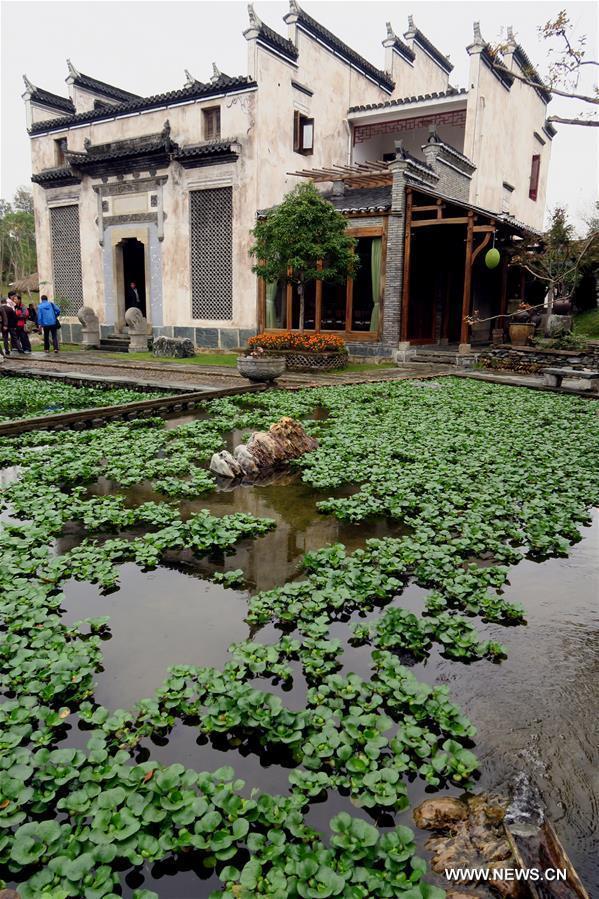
x,y
464,343
503,293
405,297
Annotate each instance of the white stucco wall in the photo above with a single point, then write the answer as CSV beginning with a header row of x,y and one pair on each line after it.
x,y
500,140
423,76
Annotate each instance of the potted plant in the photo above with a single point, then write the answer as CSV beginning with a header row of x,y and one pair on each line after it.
x,y
303,351
521,327
258,366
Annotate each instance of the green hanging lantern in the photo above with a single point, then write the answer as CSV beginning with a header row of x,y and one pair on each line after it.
x,y
492,258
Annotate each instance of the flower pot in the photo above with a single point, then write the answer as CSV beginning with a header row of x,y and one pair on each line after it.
x,y
261,369
307,360
520,334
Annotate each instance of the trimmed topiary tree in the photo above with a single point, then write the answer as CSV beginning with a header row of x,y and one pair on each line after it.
x,y
301,240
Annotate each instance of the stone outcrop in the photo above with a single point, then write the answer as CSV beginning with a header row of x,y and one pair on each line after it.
x,y
285,440
469,833
174,347
438,814
225,465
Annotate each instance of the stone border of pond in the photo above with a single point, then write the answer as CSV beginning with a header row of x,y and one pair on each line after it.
x,y
78,379
84,418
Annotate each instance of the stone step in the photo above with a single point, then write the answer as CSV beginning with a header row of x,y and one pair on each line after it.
x,y
115,343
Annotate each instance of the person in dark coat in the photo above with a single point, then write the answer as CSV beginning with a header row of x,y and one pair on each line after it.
x,y
4,326
33,316
22,315
47,317
133,296
15,343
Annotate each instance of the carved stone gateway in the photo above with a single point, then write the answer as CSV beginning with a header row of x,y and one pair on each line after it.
x,y
137,325
90,331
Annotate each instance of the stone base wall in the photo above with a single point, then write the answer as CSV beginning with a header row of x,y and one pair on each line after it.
x,y
228,339
532,359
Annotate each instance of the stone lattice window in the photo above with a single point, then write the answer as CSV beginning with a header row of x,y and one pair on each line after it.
x,y
66,258
211,214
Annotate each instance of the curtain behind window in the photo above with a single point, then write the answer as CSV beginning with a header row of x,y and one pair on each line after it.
x,y
376,256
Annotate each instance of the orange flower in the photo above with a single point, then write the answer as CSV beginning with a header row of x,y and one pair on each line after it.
x,y
302,342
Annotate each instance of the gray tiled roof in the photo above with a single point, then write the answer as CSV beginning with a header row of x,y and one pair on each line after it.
x,y
196,91
341,49
101,87
277,42
362,199
47,98
420,98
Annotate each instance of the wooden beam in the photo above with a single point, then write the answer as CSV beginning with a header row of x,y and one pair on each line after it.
x,y
482,229
405,296
432,208
467,281
481,246
423,223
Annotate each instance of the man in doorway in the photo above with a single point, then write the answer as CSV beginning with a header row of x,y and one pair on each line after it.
x,y
133,297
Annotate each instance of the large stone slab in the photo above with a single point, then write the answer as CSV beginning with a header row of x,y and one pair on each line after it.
x,y
173,347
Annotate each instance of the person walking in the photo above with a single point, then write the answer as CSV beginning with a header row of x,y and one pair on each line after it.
x,y
47,317
15,343
22,315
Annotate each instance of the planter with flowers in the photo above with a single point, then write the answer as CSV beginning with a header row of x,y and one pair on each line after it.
x,y
303,351
257,365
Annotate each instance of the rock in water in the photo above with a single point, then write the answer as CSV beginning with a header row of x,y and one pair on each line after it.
x,y
438,814
285,440
264,450
245,459
225,465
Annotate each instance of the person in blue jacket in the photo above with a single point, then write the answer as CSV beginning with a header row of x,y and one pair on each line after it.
x,y
47,318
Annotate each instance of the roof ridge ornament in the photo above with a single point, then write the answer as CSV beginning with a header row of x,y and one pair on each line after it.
x,y
511,42
479,43
191,79
72,70
255,20
390,32
29,84
216,74
294,7
412,29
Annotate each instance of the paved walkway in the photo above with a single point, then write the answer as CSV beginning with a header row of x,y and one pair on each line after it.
x,y
99,367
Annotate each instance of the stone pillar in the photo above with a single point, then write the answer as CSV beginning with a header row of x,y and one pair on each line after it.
x,y
137,325
90,330
395,254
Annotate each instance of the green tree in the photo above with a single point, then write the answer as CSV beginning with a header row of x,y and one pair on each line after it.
x,y
557,258
304,239
17,237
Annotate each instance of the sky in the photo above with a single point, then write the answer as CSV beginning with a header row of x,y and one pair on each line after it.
x,y
145,45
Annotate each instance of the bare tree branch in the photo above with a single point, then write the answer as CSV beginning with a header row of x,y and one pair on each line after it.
x,y
588,123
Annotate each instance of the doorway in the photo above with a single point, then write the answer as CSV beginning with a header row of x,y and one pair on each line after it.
x,y
134,273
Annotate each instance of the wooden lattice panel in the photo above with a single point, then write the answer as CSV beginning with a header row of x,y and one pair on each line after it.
x,y
211,213
66,258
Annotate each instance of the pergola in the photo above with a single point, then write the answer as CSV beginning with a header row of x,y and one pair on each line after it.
x,y
437,210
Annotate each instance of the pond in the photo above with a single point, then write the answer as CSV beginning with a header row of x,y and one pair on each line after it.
x,y
399,552
533,712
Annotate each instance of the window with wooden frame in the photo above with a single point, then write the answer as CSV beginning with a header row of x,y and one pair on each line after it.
x,y
352,308
303,133
535,168
211,118
60,145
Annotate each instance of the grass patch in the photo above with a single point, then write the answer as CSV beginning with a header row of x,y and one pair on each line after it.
x,y
586,324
